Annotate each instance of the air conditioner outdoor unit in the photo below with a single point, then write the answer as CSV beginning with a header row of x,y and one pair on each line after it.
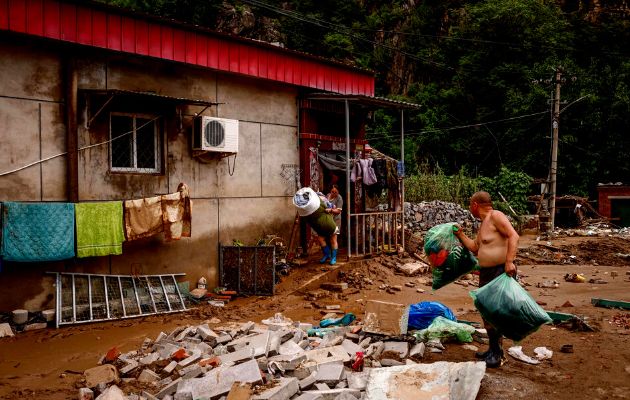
x,y
215,134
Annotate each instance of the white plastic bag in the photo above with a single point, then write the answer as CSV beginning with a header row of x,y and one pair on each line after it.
x,y
306,201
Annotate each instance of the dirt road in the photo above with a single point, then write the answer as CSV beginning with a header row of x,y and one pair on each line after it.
x,y
47,364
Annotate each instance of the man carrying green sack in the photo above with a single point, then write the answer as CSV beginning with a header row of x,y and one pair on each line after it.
x,y
495,247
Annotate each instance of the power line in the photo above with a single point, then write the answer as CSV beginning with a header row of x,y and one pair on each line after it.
x,y
452,128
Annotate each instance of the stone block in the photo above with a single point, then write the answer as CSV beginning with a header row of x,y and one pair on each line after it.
x,y
165,350
35,326
191,371
283,390
86,394
165,381
417,350
237,356
385,318
334,287
150,358
341,385
308,396
219,381
148,376
160,337
322,386
170,367
365,342
112,393
148,396
196,355
49,315
389,362
246,327
207,334
402,348
289,363
358,380
452,380
130,366
240,391
351,348
308,381
304,326
289,348
102,374
330,373
183,396
333,394
169,389
186,332
5,330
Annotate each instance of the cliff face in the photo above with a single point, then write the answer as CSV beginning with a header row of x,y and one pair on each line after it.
x,y
597,10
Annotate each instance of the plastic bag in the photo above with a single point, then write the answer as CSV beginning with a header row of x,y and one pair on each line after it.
x,y
445,328
306,201
422,314
449,258
509,308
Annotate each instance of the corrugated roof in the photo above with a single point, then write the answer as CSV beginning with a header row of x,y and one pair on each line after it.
x,y
181,100
95,25
365,100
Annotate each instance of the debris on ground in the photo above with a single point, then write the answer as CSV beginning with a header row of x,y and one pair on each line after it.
x,y
621,320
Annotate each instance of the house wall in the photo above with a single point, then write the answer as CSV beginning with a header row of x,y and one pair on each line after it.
x,y
604,196
252,201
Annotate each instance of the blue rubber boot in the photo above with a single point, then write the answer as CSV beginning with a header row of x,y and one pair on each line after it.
x,y
333,258
326,251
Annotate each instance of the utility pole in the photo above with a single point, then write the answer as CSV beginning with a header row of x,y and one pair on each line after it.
x,y
554,148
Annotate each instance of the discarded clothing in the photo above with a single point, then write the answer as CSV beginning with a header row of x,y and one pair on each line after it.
x,y
177,213
100,229
37,231
143,217
343,321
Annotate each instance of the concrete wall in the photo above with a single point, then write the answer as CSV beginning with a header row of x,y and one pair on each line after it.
x,y
255,200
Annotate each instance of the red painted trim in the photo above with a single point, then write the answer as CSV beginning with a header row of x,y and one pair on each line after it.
x,y
202,51
114,32
128,33
35,17
84,25
106,27
166,36
99,29
4,14
17,16
155,40
52,26
213,53
179,45
142,38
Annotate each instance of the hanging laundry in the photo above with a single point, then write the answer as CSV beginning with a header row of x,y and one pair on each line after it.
x,y
393,186
99,228
143,217
363,170
37,231
177,213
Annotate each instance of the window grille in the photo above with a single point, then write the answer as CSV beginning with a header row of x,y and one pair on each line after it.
x,y
135,143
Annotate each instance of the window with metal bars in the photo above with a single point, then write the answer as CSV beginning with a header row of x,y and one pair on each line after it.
x,y
135,143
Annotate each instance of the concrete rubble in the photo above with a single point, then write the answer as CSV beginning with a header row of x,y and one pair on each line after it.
x,y
276,360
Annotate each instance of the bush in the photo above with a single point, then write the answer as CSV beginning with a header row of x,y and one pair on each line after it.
x,y
435,185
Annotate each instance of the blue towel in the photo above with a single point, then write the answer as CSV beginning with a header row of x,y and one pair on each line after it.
x,y
37,231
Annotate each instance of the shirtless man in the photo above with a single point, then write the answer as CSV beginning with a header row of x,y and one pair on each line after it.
x,y
495,247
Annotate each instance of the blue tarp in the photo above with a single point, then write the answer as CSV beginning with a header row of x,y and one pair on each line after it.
x,y
422,314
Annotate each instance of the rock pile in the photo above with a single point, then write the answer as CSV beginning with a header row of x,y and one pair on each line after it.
x,y
277,360
425,215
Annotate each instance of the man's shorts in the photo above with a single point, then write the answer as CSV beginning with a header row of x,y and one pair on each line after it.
x,y
487,274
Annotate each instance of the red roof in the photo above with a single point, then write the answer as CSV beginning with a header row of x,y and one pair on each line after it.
x,y
115,29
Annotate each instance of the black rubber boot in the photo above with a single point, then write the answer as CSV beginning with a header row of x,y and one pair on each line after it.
x,y
482,355
495,358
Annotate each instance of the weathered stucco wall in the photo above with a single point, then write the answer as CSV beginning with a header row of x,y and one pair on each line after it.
x,y
248,204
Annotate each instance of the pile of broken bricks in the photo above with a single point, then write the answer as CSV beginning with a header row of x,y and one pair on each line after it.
x,y
276,360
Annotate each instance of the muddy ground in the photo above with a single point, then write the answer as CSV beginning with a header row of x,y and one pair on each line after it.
x,y
47,364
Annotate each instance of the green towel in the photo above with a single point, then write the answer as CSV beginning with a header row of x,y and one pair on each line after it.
x,y
99,228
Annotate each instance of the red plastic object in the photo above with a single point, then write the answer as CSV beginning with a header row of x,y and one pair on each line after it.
x,y
357,365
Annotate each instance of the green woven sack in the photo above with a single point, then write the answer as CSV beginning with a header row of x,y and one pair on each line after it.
x,y
322,222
